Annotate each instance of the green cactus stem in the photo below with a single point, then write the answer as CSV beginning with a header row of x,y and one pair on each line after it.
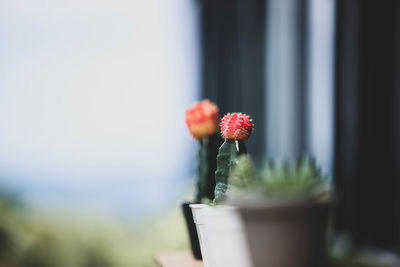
x,y
202,170
226,160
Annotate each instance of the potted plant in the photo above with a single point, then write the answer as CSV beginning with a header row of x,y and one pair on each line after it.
x,y
285,210
219,227
202,120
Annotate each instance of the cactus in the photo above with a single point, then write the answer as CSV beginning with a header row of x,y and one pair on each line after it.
x,y
226,161
235,128
202,170
202,121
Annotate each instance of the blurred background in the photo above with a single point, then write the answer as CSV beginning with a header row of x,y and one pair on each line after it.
x,y
95,158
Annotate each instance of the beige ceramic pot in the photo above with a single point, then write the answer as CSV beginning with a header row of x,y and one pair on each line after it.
x,y
287,233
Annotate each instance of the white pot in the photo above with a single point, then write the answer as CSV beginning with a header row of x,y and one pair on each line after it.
x,y
221,235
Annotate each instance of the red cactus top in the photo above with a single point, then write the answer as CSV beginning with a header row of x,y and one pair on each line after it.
x,y
202,119
236,126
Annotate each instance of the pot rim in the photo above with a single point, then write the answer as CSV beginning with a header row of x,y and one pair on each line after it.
x,y
198,206
219,206
284,204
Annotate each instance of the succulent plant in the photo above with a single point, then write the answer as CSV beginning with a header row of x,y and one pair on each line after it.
x,y
202,120
242,175
235,129
301,178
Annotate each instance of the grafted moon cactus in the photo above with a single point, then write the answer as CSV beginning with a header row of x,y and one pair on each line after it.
x,y
235,129
202,120
236,126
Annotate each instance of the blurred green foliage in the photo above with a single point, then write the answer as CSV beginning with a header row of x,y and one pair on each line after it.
x,y
354,261
292,178
243,174
288,179
35,239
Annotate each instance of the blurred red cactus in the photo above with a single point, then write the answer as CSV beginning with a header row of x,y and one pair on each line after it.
x,y
236,126
202,119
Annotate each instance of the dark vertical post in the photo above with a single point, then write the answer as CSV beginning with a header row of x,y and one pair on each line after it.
x,y
346,176
233,61
376,122
251,50
366,179
396,104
